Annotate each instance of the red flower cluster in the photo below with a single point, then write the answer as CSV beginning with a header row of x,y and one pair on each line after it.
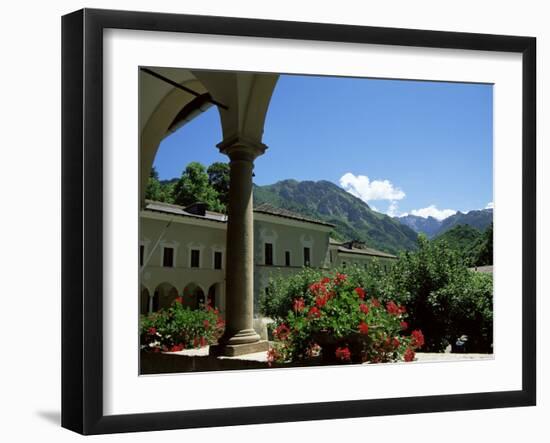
x,y
417,338
178,300
409,355
343,354
340,278
360,292
321,300
152,331
281,332
363,328
375,302
314,312
364,308
272,356
206,324
199,341
404,325
318,288
394,309
299,304
177,348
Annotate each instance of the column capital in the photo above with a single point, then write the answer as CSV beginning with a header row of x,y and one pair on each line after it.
x,y
239,147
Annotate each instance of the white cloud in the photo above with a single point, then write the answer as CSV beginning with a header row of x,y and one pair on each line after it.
x,y
490,205
432,211
362,187
392,209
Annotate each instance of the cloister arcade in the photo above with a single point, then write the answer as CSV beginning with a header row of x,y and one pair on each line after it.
x,y
170,97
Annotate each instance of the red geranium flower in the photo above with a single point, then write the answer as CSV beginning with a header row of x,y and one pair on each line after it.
x,y
417,338
340,278
272,356
299,304
314,312
152,331
281,332
325,280
360,292
395,342
364,308
409,355
203,341
404,325
321,301
363,328
343,354
206,324
178,300
375,302
317,288
392,308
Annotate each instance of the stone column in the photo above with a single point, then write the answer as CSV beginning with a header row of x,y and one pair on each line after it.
x,y
240,336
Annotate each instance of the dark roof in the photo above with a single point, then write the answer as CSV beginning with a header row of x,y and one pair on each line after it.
x,y
167,208
349,248
365,251
266,208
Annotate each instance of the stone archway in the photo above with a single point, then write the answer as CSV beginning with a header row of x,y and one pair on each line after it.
x,y
164,296
215,295
193,296
144,297
242,100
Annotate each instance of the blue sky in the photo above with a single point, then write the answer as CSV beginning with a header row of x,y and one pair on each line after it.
x,y
402,146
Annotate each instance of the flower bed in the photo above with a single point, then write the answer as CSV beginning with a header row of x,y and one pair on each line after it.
x,y
179,327
340,323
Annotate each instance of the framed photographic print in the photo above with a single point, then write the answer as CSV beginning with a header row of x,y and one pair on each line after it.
x,y
260,218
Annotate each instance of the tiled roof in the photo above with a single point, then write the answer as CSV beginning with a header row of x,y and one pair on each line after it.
x,y
168,208
365,251
266,208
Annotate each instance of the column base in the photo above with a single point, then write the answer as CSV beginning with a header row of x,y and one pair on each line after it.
x,y
228,350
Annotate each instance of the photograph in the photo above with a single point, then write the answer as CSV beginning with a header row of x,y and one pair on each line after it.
x,y
290,221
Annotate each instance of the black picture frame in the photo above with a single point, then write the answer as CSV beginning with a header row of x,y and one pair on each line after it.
x,y
82,190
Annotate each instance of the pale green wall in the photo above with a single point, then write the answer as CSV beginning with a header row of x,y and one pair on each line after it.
x,y
183,237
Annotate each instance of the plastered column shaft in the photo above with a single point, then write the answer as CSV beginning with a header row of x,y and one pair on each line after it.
x,y
240,254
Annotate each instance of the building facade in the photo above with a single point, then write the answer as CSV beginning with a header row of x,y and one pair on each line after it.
x,y
183,252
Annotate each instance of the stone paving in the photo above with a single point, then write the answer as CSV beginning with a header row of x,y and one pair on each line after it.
x,y
420,356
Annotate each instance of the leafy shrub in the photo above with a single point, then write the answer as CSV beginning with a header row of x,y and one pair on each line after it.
x,y
179,327
442,296
342,322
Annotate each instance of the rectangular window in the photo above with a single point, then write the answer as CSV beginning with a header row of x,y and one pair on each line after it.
x,y
287,258
141,254
217,260
307,257
195,258
168,258
268,254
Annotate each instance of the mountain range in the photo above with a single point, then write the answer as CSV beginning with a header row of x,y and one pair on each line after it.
x,y
352,217
432,227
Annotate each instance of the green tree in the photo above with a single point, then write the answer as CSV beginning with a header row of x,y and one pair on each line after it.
x,y
153,190
193,186
481,253
218,176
